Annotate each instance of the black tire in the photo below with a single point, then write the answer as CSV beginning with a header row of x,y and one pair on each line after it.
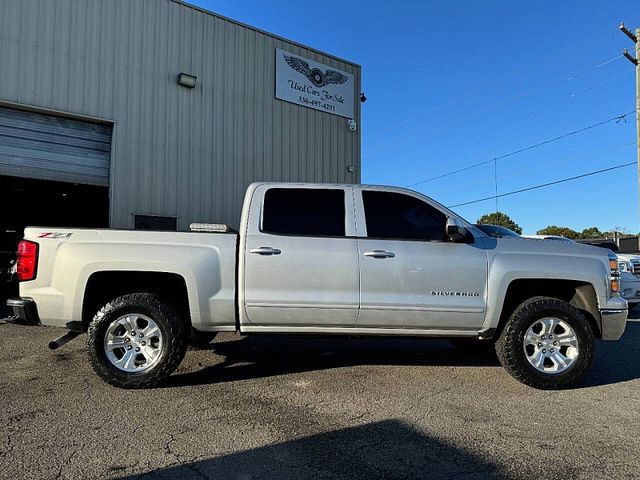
x,y
175,336
201,340
472,345
510,345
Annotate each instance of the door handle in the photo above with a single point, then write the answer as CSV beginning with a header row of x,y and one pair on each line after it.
x,y
379,254
266,251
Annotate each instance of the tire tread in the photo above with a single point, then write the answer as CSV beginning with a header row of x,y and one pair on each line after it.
x,y
177,338
508,346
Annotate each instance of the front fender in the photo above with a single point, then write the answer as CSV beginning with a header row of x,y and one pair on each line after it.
x,y
504,268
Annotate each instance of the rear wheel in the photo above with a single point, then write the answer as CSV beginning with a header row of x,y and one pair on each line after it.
x,y
136,341
546,343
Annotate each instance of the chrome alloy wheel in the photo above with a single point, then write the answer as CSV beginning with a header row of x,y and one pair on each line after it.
x,y
133,342
551,345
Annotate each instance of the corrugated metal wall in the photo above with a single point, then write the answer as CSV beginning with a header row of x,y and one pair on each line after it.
x,y
176,151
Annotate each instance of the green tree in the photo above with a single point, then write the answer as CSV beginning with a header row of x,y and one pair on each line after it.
x,y
502,219
591,232
559,231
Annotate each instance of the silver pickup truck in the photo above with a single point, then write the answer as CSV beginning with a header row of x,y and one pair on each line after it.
x,y
322,259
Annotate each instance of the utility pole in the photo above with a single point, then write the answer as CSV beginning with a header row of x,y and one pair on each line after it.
x,y
636,61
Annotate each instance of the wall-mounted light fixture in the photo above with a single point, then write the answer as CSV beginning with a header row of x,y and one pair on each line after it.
x,y
187,80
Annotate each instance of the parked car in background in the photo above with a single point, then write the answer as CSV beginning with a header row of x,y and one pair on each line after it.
x,y
496,231
556,238
603,242
629,266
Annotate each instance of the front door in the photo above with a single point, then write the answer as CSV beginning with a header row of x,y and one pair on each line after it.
x,y
301,258
411,275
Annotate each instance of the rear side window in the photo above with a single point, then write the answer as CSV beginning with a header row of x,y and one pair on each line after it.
x,y
155,222
304,211
397,216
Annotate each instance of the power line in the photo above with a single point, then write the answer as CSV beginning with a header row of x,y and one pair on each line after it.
x,y
511,101
542,62
544,166
493,82
470,119
557,101
530,147
544,185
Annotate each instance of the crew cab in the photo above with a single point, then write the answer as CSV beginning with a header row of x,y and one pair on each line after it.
x,y
322,259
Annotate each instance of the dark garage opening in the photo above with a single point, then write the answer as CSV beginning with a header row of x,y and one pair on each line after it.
x,y
30,202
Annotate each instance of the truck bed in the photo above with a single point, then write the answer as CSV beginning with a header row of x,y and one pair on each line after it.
x,y
69,257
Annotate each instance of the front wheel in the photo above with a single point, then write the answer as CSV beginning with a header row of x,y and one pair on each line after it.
x,y
546,343
136,341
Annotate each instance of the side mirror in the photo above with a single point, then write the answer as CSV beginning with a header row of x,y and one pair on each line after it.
x,y
455,230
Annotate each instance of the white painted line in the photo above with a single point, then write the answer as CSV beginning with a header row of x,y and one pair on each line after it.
x,y
637,320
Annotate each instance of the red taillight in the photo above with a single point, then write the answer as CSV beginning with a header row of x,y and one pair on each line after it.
x,y
27,260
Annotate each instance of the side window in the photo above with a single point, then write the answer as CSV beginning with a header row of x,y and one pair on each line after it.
x,y
304,211
397,216
155,222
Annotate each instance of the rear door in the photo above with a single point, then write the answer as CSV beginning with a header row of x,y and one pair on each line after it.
x,y
301,258
411,275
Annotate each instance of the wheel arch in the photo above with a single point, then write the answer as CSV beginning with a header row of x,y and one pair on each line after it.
x,y
579,294
103,286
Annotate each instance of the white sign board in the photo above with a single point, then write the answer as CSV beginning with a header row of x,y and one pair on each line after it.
x,y
314,85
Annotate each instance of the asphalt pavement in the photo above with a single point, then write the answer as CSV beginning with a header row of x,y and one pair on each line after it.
x,y
299,408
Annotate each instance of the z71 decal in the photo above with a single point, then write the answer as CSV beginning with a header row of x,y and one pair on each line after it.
x,y
55,235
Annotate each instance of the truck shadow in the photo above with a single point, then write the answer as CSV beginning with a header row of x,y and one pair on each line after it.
x,y
389,449
266,356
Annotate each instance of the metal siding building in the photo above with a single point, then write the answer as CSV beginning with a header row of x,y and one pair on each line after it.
x,y
175,151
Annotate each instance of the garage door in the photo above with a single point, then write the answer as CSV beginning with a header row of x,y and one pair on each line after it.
x,y
47,147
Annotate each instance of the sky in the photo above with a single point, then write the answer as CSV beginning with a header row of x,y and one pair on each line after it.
x,y
453,83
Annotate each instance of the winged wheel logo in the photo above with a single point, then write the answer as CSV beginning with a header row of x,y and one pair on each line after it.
x,y
315,75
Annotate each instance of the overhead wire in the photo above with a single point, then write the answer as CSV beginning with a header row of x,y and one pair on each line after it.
x,y
514,99
544,61
564,98
465,120
494,160
543,185
551,163
521,150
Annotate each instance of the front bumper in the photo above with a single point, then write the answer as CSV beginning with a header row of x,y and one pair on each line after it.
x,y
24,311
613,323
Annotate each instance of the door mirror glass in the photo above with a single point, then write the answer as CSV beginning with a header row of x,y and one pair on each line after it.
x,y
456,231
